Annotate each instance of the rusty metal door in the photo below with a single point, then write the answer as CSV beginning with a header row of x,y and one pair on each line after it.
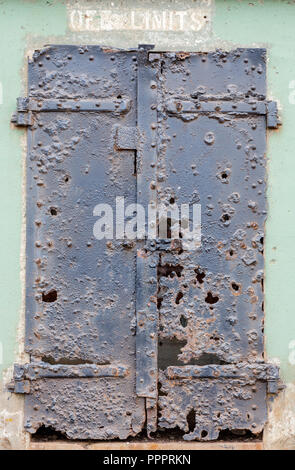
x,y
146,334
211,128
80,292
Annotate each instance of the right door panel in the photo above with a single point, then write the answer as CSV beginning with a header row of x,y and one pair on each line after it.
x,y
212,136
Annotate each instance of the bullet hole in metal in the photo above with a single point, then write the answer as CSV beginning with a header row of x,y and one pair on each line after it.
x,y
50,296
224,175
183,321
172,200
168,270
215,338
178,297
66,179
211,299
191,420
200,275
204,433
53,210
119,97
231,252
235,286
225,217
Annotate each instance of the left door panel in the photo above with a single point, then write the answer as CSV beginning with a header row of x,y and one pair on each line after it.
x,y
80,291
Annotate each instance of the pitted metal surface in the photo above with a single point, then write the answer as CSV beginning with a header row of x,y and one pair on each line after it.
x,y
104,408
202,408
211,299
145,334
80,292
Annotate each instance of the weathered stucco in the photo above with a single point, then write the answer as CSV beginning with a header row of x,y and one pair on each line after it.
x,y
28,24
280,432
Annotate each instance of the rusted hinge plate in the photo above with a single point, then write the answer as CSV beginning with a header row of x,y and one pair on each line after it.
x,y
24,373
22,117
182,106
272,117
27,106
231,107
258,371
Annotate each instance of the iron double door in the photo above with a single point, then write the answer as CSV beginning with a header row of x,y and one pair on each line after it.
x,y
145,334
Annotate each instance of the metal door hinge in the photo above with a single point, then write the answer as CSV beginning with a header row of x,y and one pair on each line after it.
x,y
221,105
272,118
27,106
24,374
258,371
22,117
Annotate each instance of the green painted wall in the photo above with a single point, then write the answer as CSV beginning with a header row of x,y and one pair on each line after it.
x,y
18,21
29,24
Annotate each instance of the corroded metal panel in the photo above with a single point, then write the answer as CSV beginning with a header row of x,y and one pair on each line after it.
x,y
203,408
213,129
215,303
149,333
80,305
88,408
